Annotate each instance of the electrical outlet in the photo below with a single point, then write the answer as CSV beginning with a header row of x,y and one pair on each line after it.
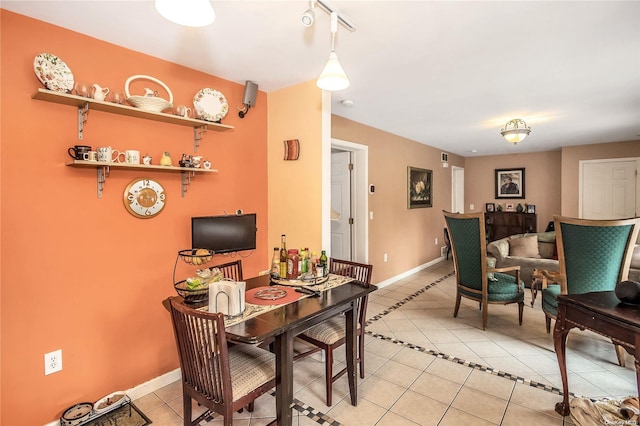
x,y
52,362
436,241
385,257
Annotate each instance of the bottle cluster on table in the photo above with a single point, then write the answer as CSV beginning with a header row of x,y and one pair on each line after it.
x,y
294,263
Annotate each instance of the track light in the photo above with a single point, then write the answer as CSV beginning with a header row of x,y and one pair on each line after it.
x,y
333,77
190,13
309,15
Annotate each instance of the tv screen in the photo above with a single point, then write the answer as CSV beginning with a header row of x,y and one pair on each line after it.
x,y
224,234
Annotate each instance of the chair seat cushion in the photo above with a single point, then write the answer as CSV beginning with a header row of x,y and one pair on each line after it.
x,y
549,301
251,367
504,289
330,331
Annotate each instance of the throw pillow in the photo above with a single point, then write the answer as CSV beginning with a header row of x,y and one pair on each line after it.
x,y
524,247
491,263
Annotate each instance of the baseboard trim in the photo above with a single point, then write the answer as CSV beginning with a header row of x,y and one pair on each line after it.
x,y
409,272
145,388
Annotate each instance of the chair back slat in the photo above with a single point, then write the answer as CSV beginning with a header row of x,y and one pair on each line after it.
x,y
467,235
361,273
202,349
231,270
594,255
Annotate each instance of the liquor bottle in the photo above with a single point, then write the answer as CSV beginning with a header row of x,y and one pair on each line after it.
x,y
324,263
283,257
275,263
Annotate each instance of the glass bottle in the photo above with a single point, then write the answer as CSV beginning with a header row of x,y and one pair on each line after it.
x,y
283,257
292,264
275,263
303,261
324,263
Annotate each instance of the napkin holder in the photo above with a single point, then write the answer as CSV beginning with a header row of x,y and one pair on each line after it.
x,y
227,297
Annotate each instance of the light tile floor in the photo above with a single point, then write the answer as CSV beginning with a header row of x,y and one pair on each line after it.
x,y
424,367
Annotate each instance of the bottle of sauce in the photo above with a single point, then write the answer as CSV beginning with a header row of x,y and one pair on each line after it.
x,y
275,263
292,264
283,257
303,261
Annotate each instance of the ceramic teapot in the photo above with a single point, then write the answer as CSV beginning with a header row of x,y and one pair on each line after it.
x,y
100,93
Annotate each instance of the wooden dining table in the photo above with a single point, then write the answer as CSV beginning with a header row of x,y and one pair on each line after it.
x,y
282,324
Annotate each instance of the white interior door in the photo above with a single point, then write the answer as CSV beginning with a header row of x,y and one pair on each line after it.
x,y
457,189
341,232
608,189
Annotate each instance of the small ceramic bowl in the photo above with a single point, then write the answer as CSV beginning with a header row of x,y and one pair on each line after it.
x,y
107,402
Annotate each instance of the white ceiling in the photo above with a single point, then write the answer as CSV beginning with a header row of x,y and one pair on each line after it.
x,y
448,74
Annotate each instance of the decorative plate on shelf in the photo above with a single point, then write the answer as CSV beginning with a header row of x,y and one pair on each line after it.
x,y
53,72
210,105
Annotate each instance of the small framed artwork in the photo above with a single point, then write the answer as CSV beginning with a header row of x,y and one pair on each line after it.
x,y
490,207
531,208
419,188
509,207
509,183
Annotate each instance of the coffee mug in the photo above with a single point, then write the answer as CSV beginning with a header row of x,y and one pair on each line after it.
x,y
207,164
105,153
90,156
132,156
196,160
116,156
146,160
77,152
183,111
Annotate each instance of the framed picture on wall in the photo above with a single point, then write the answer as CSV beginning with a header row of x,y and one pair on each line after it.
x,y
419,188
509,183
490,207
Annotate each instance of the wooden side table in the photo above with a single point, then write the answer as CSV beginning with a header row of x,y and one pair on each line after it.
x,y
542,277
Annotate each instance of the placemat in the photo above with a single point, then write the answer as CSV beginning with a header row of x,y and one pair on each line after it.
x,y
253,295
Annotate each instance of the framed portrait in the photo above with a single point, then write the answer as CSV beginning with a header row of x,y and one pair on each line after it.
x,y
509,183
531,208
490,207
419,188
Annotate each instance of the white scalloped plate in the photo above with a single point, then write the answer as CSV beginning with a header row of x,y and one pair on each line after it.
x,y
210,105
53,72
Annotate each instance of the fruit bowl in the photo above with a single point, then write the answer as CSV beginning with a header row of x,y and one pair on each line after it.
x,y
197,295
195,256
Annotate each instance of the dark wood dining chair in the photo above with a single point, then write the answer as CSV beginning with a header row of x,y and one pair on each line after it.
x,y
330,334
231,270
224,379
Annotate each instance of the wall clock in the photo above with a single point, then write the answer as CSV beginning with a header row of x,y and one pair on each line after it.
x,y
144,198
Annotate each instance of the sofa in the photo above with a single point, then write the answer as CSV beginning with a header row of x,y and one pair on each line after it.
x,y
634,269
529,251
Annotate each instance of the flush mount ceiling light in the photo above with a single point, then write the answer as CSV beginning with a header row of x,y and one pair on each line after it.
x,y
515,131
190,13
309,15
333,77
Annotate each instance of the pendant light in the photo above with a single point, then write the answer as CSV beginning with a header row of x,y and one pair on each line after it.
x,y
333,77
190,13
515,131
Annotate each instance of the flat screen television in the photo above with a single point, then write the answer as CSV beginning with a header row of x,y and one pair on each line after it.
x,y
224,234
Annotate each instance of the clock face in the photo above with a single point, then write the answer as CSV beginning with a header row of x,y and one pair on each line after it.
x,y
144,198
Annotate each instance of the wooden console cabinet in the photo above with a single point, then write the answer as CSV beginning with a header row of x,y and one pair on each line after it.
x,y
502,224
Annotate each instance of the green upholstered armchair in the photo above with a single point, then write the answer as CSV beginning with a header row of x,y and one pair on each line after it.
x,y
594,255
475,280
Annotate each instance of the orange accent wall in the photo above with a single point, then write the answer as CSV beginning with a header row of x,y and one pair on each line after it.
x,y
80,273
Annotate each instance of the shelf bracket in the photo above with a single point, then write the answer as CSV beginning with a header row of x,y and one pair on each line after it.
x,y
186,180
103,172
83,114
198,133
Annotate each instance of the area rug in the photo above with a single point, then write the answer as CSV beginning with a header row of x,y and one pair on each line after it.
x,y
127,415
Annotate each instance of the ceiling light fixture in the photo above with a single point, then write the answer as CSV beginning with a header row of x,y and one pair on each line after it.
x,y
309,15
333,77
190,13
515,131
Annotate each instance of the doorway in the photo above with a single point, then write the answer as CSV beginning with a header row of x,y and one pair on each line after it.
x,y
609,188
349,204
